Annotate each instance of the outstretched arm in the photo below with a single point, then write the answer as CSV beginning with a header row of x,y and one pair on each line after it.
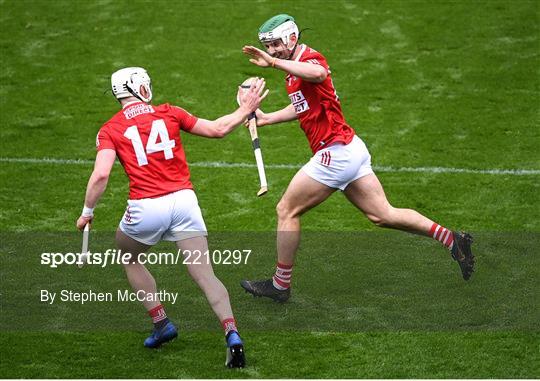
x,y
96,185
284,115
249,102
308,71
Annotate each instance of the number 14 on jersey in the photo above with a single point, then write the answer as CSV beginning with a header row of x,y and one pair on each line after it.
x,y
159,129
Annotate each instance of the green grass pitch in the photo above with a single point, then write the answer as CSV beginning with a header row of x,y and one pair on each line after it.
x,y
450,85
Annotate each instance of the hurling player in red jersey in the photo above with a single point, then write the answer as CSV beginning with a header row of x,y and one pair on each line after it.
x,y
340,158
162,204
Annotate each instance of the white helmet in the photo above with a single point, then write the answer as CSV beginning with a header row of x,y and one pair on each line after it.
x,y
127,82
279,27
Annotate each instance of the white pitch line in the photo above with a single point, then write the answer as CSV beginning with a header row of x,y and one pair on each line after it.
x,y
219,164
44,160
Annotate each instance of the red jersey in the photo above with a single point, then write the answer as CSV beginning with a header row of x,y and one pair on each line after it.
x,y
147,142
317,105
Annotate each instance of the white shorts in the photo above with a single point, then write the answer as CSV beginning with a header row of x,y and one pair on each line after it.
x,y
339,165
173,217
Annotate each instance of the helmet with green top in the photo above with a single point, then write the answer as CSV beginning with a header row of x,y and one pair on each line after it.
x,y
279,27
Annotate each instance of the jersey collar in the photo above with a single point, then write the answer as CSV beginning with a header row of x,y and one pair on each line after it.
x,y
129,104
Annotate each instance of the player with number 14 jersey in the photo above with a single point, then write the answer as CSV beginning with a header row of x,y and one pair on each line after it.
x,y
141,128
162,204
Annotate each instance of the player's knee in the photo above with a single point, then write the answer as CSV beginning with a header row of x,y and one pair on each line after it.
x,y
374,218
380,219
384,216
286,210
282,209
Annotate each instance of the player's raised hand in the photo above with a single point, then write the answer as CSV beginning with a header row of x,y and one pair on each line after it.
x,y
252,97
258,56
82,221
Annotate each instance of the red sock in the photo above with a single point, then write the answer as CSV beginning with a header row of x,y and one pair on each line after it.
x,y
442,234
229,325
282,277
157,314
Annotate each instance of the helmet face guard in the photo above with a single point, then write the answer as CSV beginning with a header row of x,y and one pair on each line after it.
x,y
279,27
127,82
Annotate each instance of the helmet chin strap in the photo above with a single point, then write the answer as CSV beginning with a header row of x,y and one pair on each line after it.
x,y
295,46
132,92
293,51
